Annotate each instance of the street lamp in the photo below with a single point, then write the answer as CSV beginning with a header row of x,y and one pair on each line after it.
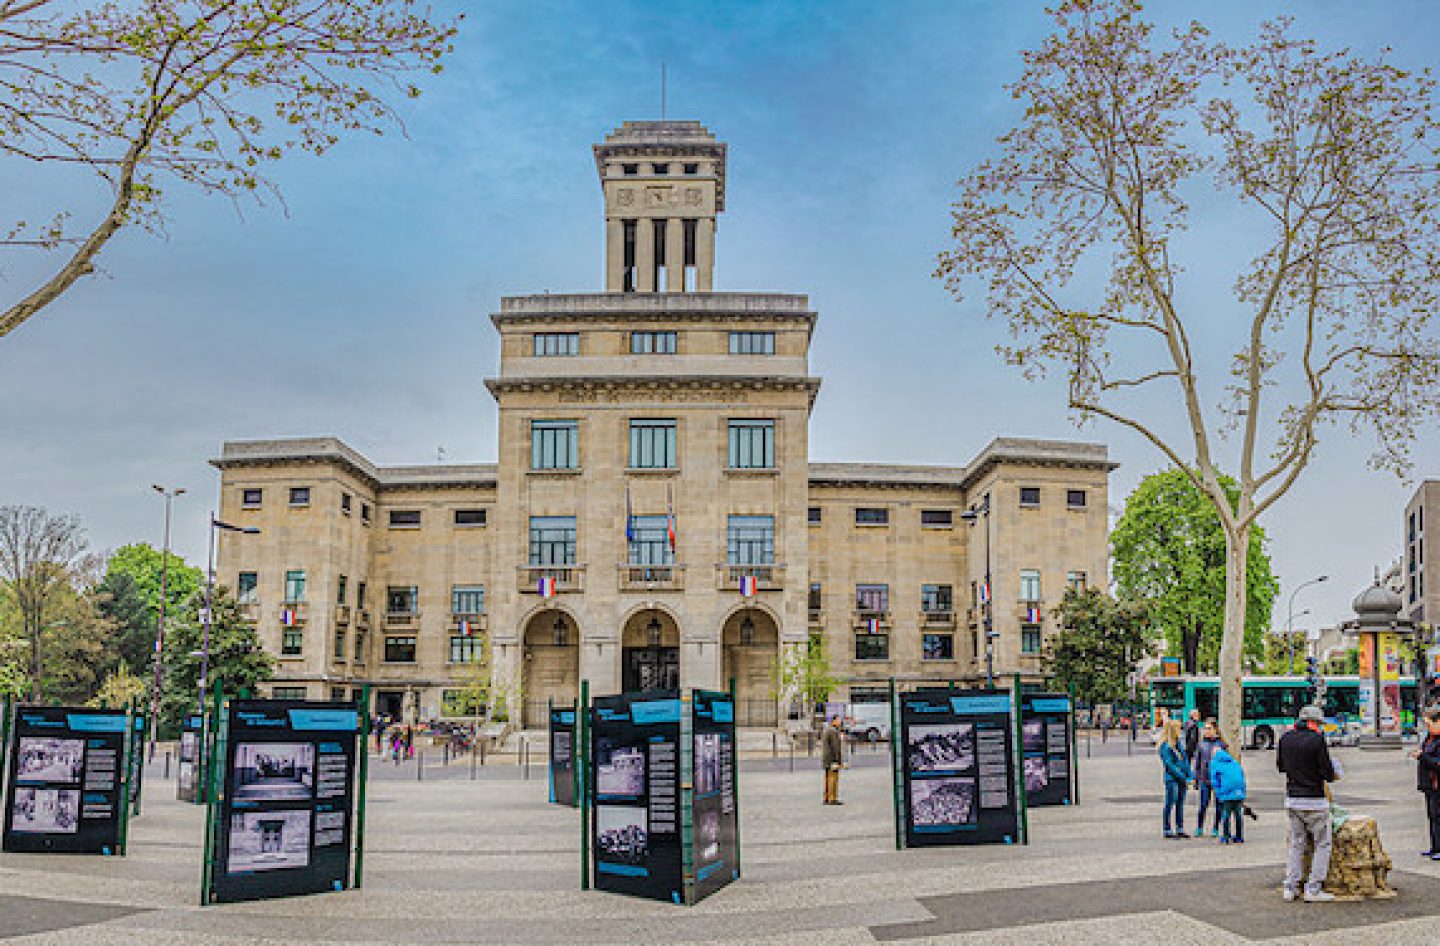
x,y
972,515
209,599
1290,619
169,495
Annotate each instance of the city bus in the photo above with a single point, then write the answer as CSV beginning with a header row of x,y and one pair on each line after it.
x,y
1271,703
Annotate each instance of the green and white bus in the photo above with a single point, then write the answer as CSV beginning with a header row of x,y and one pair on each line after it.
x,y
1271,703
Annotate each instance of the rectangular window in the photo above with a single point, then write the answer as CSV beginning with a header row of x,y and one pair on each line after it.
x,y
937,518
287,693
750,540
872,516
360,596
660,169
247,588
1075,581
294,587
937,599
1075,499
554,444
650,541
1029,584
872,646
405,519
652,343
250,498
400,650
692,168
292,642
345,503
552,540
815,596
872,598
752,444
299,495
937,647
365,513
464,650
463,702
629,170
360,645
752,343
339,643
813,516
652,444
469,517
402,599
341,587
551,344
1030,639
467,599
1029,496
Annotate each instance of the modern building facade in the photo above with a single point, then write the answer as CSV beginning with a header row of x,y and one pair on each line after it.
x,y
1421,591
653,518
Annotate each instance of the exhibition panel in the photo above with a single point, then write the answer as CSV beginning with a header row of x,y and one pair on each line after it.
x,y
563,772
1047,748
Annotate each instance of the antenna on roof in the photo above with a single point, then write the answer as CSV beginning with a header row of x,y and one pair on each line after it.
x,y
662,90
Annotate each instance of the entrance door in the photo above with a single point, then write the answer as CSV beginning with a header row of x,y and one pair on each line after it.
x,y
390,703
651,668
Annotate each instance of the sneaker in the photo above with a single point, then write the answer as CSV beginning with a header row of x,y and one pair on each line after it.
x,y
1289,895
1181,834
1169,835
1215,833
1435,856
1237,840
1427,853
1319,896
1224,840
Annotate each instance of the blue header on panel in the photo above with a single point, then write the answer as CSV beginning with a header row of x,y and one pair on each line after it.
x,y
342,720
86,722
655,711
1050,705
967,705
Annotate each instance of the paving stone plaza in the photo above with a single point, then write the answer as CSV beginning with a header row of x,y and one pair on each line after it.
x,y
451,860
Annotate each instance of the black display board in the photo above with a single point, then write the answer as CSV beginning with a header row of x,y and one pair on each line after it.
x,y
1045,748
714,813
635,819
187,769
562,756
958,766
285,816
137,762
66,792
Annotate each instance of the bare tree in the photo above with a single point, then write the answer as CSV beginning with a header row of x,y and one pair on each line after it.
x,y
203,92
1325,160
39,554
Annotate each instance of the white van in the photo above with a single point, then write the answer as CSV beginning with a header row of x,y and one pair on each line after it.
x,y
869,721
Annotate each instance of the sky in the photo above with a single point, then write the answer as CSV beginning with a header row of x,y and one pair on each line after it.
x,y
359,306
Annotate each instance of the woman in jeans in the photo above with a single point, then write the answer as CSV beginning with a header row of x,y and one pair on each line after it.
x,y
1178,775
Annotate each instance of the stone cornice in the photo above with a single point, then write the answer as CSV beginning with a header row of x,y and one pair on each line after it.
x,y
672,307
615,384
330,451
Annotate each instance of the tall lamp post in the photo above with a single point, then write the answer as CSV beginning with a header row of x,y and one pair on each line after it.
x,y
169,495
972,515
209,598
1290,618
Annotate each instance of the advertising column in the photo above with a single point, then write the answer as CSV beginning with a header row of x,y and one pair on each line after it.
x,y
714,813
285,817
1391,712
1045,748
66,781
562,756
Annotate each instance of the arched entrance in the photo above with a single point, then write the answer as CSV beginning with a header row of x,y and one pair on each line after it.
x,y
751,646
650,652
551,664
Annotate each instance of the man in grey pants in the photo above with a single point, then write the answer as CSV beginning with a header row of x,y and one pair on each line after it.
x,y
1305,760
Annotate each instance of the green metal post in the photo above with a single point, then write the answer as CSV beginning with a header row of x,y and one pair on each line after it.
x,y
735,774
582,725
6,708
212,796
897,776
1022,804
687,798
362,788
1074,753
137,762
576,781
128,747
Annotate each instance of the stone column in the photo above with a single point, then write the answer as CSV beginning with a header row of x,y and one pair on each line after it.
x,y
675,255
614,255
704,254
700,665
645,255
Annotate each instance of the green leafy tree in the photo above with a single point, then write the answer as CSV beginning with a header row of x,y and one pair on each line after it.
x,y
131,598
1169,551
236,657
119,688
40,555
802,673
1100,643
204,93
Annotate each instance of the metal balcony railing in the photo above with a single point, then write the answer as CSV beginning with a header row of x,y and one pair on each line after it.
x,y
568,578
651,577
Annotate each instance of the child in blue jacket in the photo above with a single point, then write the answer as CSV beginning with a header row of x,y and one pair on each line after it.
x,y
1227,780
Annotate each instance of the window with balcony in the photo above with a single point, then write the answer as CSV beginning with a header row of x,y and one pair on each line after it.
x,y
937,599
400,650
292,642
469,517
752,444
872,599
872,516
294,587
250,498
1029,497
405,519
1075,499
465,650
340,589
872,646
752,343
649,541
937,647
402,599
1030,584
937,518
299,495
554,444
552,344
247,588
652,343
1031,640
750,540
652,443
552,540
467,599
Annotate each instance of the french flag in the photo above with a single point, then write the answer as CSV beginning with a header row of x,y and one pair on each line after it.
x,y
547,587
1032,615
749,584
287,617
984,592
872,625
465,629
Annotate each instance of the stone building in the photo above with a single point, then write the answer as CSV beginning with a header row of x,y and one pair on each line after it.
x,y
1421,578
653,517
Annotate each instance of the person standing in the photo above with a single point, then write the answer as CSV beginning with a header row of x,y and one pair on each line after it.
x,y
1178,776
1209,741
832,757
1227,780
1305,760
1192,736
1427,778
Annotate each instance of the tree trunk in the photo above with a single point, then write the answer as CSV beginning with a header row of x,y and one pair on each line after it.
x,y
1232,640
36,661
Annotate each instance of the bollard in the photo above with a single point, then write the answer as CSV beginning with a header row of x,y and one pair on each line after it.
x,y
774,745
472,761
810,742
167,763
445,755
526,748
1087,743
792,752
482,752
420,766
1130,743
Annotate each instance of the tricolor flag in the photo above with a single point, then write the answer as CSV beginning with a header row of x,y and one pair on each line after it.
x,y
1032,614
749,584
287,617
629,517
547,587
670,517
984,592
465,628
872,625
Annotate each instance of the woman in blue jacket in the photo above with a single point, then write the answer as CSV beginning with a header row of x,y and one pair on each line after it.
x,y
1178,775
1227,781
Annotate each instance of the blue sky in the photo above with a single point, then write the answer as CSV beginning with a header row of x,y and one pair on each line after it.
x,y
360,307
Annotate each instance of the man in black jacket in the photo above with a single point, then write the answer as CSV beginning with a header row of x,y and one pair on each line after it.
x,y
1305,760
